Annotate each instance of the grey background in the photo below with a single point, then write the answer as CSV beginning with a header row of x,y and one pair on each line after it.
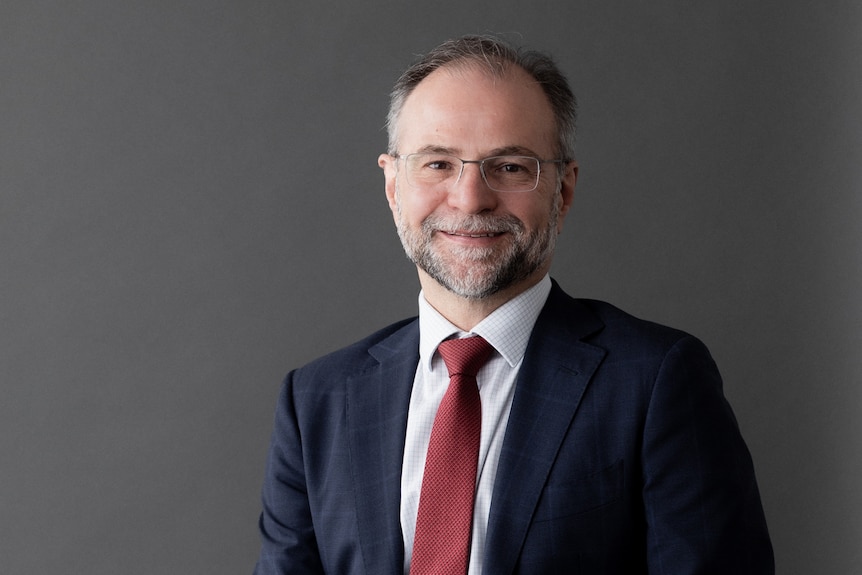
x,y
190,206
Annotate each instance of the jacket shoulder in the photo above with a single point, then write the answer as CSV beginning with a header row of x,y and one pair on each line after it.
x,y
361,354
617,319
609,327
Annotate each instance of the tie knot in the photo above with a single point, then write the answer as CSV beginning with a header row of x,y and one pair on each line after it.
x,y
465,356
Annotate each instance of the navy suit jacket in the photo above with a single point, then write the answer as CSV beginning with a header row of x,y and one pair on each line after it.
x,y
621,456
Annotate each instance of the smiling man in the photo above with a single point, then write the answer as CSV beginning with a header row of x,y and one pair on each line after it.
x,y
473,243
509,428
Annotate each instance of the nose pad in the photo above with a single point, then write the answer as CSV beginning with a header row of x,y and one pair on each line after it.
x,y
471,193
470,174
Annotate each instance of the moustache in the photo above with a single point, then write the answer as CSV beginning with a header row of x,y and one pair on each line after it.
x,y
475,223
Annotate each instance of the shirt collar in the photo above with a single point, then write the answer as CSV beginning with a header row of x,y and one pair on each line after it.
x,y
507,328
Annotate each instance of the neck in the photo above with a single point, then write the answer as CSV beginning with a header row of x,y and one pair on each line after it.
x,y
466,313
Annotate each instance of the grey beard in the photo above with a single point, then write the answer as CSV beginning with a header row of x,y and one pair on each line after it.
x,y
488,271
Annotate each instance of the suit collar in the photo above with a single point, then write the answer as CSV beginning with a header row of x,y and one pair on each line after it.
x,y
557,368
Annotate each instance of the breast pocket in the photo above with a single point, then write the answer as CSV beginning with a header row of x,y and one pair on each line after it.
x,y
567,497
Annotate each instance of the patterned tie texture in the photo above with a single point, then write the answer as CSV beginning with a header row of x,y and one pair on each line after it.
x,y
444,523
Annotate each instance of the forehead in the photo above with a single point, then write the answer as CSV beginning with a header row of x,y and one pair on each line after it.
x,y
467,109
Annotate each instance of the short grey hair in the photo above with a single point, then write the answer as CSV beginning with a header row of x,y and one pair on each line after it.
x,y
495,56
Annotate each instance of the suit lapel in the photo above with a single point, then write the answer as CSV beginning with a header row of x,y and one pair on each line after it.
x,y
377,403
556,371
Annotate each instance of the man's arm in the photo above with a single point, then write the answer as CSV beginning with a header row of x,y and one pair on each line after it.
x,y
702,504
288,541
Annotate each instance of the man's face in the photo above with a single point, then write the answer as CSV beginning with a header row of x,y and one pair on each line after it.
x,y
470,239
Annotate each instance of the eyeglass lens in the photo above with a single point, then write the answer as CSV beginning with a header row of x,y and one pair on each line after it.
x,y
501,173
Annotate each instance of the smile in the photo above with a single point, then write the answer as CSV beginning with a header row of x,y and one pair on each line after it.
x,y
466,235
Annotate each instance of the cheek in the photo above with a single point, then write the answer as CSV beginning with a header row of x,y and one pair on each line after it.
x,y
416,207
533,214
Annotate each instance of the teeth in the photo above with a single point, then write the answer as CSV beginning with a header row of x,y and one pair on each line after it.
x,y
490,235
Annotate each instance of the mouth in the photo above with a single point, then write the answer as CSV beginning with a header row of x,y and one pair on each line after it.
x,y
473,234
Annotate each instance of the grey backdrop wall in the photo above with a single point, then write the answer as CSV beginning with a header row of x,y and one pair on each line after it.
x,y
190,206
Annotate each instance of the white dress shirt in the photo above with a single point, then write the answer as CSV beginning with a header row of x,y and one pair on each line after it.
x,y
508,330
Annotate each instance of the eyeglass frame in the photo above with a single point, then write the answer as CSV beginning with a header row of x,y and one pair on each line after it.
x,y
481,164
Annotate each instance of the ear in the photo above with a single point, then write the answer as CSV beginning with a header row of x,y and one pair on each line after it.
x,y
567,190
389,164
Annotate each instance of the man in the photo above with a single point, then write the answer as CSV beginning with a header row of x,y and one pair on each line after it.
x,y
602,444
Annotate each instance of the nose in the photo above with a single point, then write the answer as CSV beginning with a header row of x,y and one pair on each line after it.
x,y
470,194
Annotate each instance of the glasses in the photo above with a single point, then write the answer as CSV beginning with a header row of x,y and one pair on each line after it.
x,y
501,173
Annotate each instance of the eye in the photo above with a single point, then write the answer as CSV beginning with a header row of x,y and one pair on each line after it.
x,y
512,168
513,165
437,164
432,163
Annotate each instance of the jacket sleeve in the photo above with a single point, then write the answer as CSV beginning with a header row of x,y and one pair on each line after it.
x,y
288,543
702,505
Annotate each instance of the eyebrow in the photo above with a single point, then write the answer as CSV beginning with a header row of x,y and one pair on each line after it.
x,y
431,149
503,151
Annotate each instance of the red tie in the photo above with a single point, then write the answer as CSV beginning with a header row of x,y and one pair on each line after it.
x,y
444,522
